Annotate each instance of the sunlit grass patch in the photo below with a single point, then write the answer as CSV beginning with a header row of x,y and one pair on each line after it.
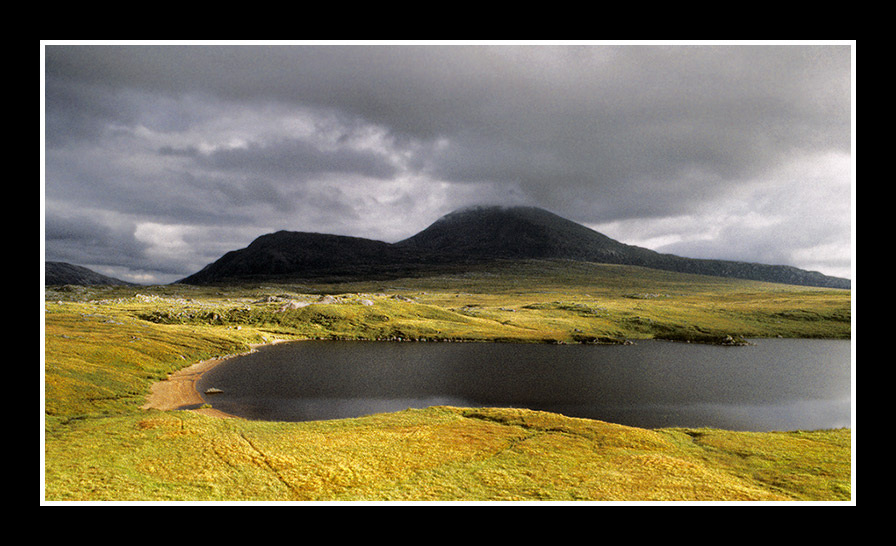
x,y
104,348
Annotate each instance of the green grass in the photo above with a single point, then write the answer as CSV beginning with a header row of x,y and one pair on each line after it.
x,y
105,347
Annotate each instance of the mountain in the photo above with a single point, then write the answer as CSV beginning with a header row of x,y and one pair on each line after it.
x,y
61,273
478,233
467,236
289,253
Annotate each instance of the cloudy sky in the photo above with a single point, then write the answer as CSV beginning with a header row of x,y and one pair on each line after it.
x,y
159,158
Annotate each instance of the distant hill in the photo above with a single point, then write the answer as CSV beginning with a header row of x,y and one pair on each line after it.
x,y
61,273
467,236
289,254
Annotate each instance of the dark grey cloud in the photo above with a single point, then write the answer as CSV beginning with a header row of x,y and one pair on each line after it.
x,y
675,145
297,158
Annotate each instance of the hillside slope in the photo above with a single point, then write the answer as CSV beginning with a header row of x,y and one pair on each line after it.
x,y
61,273
472,235
288,253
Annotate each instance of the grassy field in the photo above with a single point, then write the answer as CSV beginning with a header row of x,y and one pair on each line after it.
x,y
105,347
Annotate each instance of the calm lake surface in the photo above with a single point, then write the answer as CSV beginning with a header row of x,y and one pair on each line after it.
x,y
775,384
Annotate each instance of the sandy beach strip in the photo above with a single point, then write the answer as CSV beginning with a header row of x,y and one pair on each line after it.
x,y
178,391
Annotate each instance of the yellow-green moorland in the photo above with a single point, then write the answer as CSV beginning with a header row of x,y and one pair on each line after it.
x,y
105,347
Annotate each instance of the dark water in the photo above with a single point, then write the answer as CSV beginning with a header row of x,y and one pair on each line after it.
x,y
776,384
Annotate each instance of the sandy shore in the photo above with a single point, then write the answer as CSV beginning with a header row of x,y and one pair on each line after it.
x,y
178,391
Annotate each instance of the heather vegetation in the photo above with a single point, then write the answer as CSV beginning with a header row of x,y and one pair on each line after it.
x,y
106,345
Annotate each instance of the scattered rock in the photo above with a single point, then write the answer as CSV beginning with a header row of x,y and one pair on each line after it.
x,y
737,341
269,299
293,305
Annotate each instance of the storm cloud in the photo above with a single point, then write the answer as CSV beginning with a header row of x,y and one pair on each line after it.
x,y
159,158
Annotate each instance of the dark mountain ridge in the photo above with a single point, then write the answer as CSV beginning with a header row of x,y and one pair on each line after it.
x,y
468,236
517,232
296,254
62,273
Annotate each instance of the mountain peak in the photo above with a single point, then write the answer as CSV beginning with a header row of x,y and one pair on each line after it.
x,y
489,208
503,211
510,232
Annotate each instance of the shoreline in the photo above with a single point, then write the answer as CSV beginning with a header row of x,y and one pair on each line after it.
x,y
178,391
